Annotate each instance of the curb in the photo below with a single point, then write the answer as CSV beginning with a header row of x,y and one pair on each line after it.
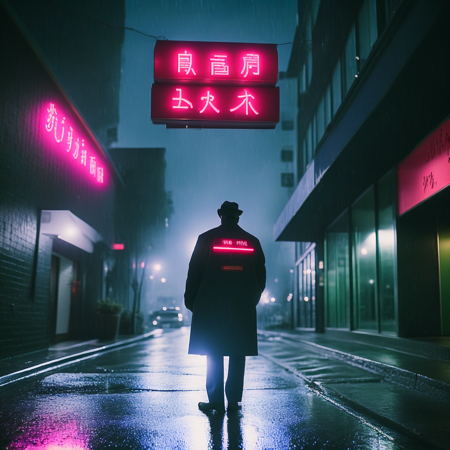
x,y
421,383
72,359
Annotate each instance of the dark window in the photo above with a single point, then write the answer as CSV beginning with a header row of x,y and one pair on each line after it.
x,y
287,155
287,179
287,125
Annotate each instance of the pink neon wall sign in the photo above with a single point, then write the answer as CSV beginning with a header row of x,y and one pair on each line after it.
x,y
68,141
426,170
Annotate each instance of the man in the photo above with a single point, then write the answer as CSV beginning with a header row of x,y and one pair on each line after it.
x,y
225,280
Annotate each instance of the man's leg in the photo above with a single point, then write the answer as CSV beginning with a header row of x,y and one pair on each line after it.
x,y
235,379
214,379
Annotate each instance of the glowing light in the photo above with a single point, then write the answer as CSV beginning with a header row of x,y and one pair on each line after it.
x,y
92,166
320,264
151,277
56,129
247,103
164,309
306,299
235,249
100,174
72,143
273,299
291,271
209,99
163,280
134,265
181,99
142,264
83,157
218,66
251,61
70,139
51,117
177,308
371,281
157,267
185,63
276,280
118,247
364,251
180,315
155,322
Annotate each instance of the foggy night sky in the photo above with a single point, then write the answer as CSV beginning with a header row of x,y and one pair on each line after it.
x,y
207,167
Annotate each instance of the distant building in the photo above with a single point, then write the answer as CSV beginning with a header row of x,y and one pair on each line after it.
x,y
370,210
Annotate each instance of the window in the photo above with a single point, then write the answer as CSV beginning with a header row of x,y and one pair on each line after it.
x,y
336,87
349,59
337,288
386,245
307,291
366,30
327,106
365,314
320,120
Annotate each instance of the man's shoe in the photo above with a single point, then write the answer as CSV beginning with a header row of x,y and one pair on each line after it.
x,y
205,407
234,406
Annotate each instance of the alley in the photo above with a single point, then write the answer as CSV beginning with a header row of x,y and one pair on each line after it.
x,y
145,397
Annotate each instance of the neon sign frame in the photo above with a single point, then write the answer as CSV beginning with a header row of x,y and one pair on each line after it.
x,y
215,85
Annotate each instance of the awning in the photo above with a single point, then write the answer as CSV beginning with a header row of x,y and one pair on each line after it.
x,y
68,227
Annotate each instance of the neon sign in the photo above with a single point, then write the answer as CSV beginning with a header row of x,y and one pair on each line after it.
x,y
215,106
426,170
80,154
232,245
215,85
215,63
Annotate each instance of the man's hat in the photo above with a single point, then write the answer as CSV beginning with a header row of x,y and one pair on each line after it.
x,y
229,209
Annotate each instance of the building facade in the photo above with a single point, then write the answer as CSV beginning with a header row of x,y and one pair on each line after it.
x,y
368,213
60,200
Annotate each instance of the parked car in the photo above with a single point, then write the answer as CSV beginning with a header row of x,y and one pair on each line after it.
x,y
168,318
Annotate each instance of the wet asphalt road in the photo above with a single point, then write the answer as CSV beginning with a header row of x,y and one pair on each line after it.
x,y
145,397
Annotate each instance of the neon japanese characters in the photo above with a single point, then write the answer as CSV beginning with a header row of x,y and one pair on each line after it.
x,y
215,85
73,145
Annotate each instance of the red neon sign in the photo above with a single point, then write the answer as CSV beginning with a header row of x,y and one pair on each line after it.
x,y
233,245
426,170
118,247
215,106
215,63
63,134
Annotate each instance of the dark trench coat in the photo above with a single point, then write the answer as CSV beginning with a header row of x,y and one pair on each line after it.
x,y
222,291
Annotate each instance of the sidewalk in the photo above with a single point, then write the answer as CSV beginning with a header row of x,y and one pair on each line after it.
x,y
402,361
60,355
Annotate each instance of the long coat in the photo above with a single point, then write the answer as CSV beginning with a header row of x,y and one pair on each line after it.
x,y
223,288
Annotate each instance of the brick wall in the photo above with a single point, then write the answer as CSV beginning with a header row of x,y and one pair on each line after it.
x,y
33,176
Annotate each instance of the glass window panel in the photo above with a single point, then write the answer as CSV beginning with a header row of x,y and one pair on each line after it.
x,y
313,289
337,87
337,270
320,119
350,69
300,293
367,30
386,244
327,106
364,263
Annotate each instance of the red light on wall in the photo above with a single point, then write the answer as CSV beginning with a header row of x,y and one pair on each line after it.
x,y
426,170
118,247
142,264
215,106
222,63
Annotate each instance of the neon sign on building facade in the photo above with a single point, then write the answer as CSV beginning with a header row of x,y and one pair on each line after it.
x,y
215,85
72,144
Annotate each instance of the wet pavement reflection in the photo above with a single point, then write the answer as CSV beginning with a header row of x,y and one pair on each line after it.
x,y
145,397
